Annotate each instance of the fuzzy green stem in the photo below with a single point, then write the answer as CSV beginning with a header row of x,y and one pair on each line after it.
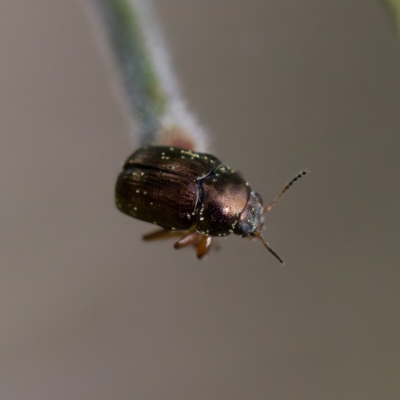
x,y
141,62
393,8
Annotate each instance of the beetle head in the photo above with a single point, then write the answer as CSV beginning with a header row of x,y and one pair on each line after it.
x,y
252,217
251,221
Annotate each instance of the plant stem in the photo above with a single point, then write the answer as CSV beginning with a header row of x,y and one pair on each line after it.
x,y
393,6
142,64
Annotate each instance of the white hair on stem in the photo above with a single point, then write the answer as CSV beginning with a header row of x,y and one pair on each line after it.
x,y
140,59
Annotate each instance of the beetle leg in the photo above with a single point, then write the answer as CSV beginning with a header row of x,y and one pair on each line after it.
x,y
161,234
203,246
190,238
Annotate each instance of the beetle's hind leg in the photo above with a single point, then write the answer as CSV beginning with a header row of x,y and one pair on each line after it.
x,y
190,237
186,237
203,246
161,234
203,242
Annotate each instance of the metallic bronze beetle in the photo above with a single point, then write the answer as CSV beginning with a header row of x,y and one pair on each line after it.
x,y
181,190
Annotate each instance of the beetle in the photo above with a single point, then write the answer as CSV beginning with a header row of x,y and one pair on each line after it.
x,y
182,190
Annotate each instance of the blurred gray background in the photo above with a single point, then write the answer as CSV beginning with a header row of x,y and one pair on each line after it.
x,y
89,311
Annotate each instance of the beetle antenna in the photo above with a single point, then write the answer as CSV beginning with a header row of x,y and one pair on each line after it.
x,y
267,247
270,205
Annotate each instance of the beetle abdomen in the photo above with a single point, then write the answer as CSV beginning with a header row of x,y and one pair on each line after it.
x,y
157,196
